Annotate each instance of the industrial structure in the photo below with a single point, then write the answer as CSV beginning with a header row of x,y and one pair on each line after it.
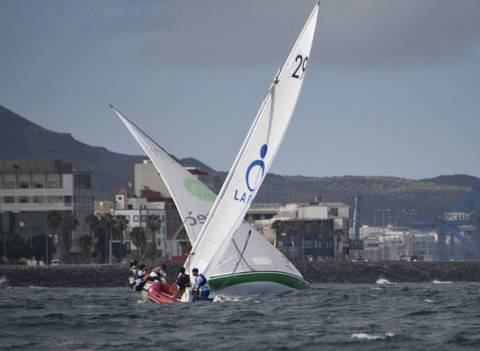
x,y
459,229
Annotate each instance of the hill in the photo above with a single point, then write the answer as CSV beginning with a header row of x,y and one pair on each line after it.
x,y
22,139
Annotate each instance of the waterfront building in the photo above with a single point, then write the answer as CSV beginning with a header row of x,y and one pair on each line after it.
x,y
263,217
102,207
148,182
137,210
309,239
393,244
421,245
30,190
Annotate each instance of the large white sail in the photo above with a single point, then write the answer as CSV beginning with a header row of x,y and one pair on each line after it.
x,y
194,200
256,154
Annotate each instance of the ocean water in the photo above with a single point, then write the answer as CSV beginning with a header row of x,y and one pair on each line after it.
x,y
382,316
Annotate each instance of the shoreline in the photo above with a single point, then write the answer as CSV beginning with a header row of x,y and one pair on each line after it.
x,y
315,272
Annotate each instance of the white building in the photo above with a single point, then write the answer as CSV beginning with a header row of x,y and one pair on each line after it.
x,y
262,216
390,243
147,179
30,189
137,210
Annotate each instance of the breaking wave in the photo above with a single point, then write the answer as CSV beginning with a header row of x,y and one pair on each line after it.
x,y
365,336
383,281
441,282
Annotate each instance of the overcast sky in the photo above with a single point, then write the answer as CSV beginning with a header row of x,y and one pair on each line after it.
x,y
392,86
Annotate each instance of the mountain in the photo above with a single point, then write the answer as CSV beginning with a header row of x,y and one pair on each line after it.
x,y
22,139
456,179
427,199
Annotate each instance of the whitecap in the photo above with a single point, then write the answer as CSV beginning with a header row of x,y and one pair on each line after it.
x,y
441,282
383,281
365,336
428,300
3,281
223,298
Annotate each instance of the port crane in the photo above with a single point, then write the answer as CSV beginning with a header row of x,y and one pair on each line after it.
x,y
461,224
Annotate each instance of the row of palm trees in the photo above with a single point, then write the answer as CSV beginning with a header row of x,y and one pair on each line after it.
x,y
69,223
105,228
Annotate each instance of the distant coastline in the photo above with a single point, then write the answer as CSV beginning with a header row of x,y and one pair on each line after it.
x,y
91,276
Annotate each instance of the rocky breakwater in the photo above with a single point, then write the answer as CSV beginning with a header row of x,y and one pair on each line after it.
x,y
65,275
86,275
395,271
315,272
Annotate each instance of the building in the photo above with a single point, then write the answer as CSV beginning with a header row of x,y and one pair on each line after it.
x,y
146,178
31,189
310,239
421,245
147,181
102,207
136,210
393,244
264,216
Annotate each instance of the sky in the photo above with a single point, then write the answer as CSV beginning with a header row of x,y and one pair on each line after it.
x,y
392,87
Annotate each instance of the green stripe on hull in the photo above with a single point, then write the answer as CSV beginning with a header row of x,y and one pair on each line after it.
x,y
286,279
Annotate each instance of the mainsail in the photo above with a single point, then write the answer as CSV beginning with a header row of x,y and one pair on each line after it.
x,y
194,200
256,154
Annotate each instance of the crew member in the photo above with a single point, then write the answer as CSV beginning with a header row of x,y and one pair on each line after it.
x,y
200,289
153,277
140,278
183,280
162,274
132,273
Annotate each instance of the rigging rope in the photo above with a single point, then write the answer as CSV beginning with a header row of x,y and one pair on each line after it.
x,y
238,262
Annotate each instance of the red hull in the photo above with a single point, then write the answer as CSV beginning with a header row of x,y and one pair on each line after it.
x,y
162,293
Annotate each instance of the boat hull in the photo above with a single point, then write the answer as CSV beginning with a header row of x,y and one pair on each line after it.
x,y
162,293
256,283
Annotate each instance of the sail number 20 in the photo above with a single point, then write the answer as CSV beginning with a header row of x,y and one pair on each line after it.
x,y
301,67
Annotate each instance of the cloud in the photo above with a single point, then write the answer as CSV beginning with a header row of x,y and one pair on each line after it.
x,y
356,33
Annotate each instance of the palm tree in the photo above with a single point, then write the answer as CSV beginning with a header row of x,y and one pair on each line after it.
x,y
55,220
108,223
97,230
139,239
154,224
71,223
85,242
93,222
121,224
338,240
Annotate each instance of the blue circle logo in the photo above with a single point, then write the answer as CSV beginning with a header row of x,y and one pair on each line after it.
x,y
256,163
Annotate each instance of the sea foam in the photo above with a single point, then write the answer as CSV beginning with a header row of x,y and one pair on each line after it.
x,y
383,281
365,336
441,282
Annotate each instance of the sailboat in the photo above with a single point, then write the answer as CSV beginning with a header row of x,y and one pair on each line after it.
x,y
233,256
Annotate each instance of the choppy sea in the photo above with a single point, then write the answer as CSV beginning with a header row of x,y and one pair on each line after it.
x,y
382,316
